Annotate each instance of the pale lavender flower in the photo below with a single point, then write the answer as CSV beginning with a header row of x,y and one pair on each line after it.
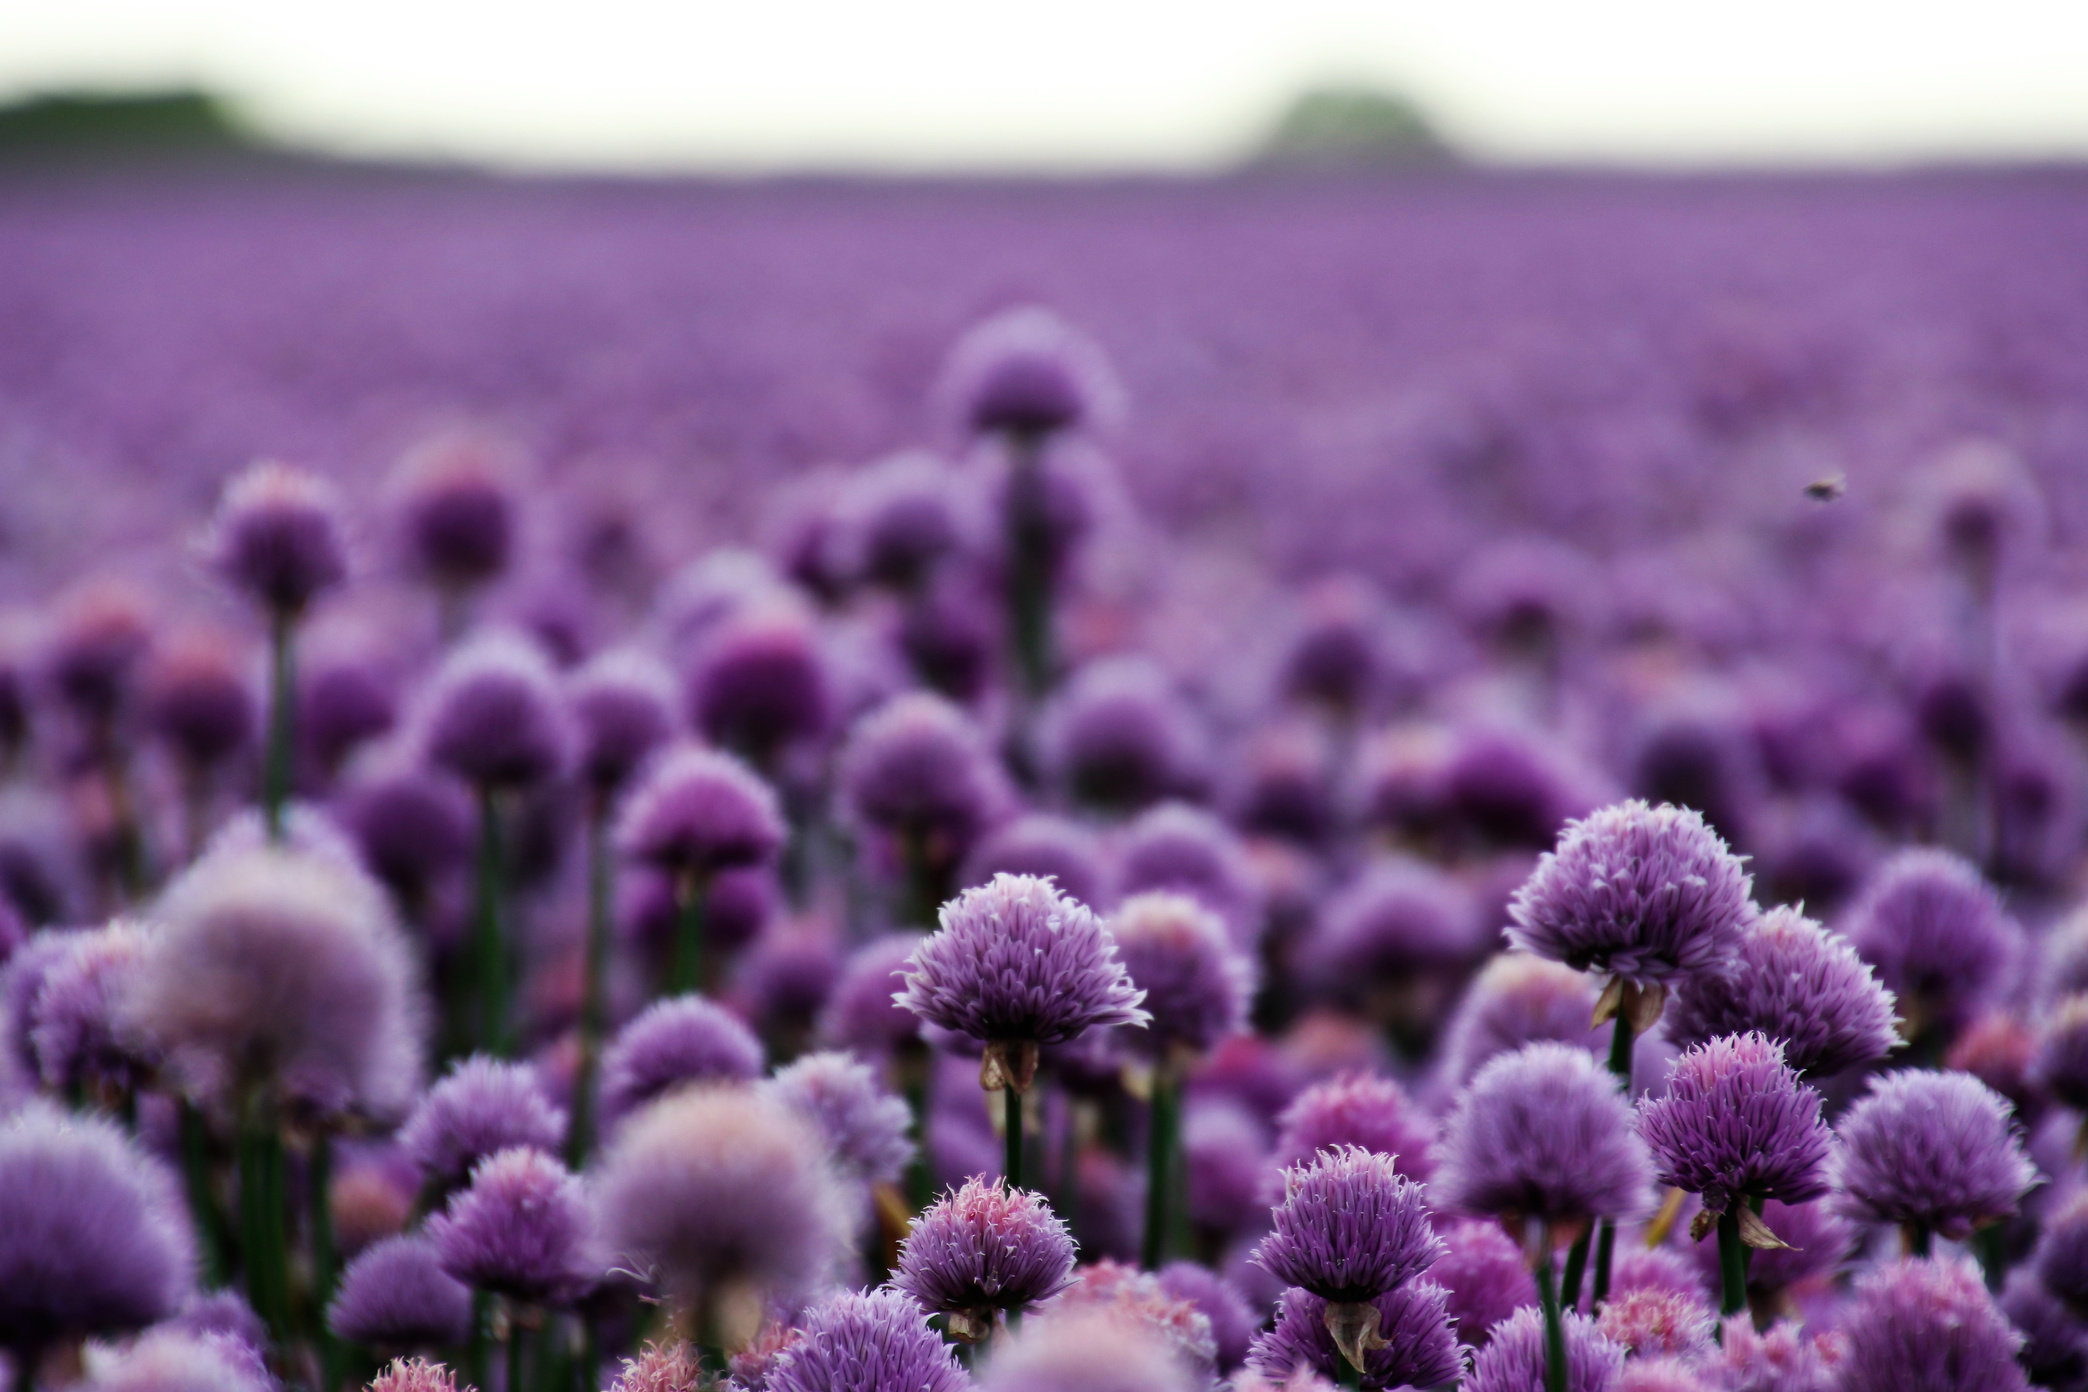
x,y
1233,1320
1928,1326
480,1107
1048,847
1129,1294
415,1375
1088,1351
1652,1323
680,1040
876,1342
1783,1358
1484,1271
172,1360
1518,999
867,1130
1358,1109
1645,893
78,1031
1931,1150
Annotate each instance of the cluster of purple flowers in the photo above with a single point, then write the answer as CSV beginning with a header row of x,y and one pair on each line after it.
x,y
890,959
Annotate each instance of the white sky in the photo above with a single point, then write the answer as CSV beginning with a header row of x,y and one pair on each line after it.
x,y
1086,84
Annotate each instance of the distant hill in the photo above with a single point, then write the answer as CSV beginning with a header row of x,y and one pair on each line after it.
x,y
1352,126
79,123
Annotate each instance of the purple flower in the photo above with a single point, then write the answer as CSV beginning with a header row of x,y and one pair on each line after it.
x,y
413,828
2061,1066
1817,1241
623,708
1048,847
482,1106
1543,1133
1226,1172
395,1295
1662,1268
861,1013
277,537
1017,961
415,1375
198,700
522,1229
1232,1319
1736,1123
981,1248
1337,655
1196,983
2055,1346
174,1360
493,715
1668,1375
1358,1109
1486,1276
93,1238
1186,849
1089,1350
1421,1347
1119,737
1654,1323
222,1312
1646,893
719,1187
670,1367
2061,1260
21,981
77,1030
1128,1294
1398,920
343,699
1513,1360
878,1342
759,685
1928,1326
918,769
1795,982
684,1039
1937,935
1025,372
899,521
1350,1227
1931,1150
454,497
1518,999
699,812
104,629
283,966
1782,1359
868,1131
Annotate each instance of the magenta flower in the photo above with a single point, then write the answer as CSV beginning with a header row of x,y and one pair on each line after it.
x,y
1647,894
1736,1123
984,1248
878,1342
1928,1326
1798,983
1931,1151
1350,1228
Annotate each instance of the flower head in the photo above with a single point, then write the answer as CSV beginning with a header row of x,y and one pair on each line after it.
x,y
1513,1360
919,769
1928,1326
2061,1260
480,1107
1091,1351
1119,737
494,716
985,1247
698,812
1126,1293
1647,893
415,1375
175,1360
198,700
759,685
277,537
718,1187
413,827
1400,919
1484,1271
1518,999
878,1342
1186,849
2055,1347
283,966
1654,1323
93,1238
867,1130
1937,935
454,497
1016,960
1543,1133
1048,847
623,708
1796,982
1784,1358
683,1039
1232,1319
898,521
1420,1349
861,1013
395,1295
79,1034
1358,1109
1026,372
1935,1150
2061,1065
1196,983
670,1367
1350,1227
522,1229
1736,1123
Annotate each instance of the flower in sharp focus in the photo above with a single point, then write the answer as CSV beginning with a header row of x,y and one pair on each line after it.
x,y
1736,1123
1513,1360
1798,983
1928,1326
1645,893
395,1295
480,1107
1197,984
1931,1150
875,1342
982,1248
1543,1133
699,812
277,537
415,1375
523,1229
1350,1227
1420,1344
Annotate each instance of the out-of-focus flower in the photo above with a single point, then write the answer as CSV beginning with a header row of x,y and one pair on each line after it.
x,y
1486,1276
480,1107
1026,372
1796,983
76,1025
918,770
277,537
860,1013
982,1249
1048,847
681,1040
395,1295
876,1342
2061,1259
1128,1294
1420,1347
623,708
700,812
455,501
1653,1323
1232,1319
1513,1360
171,1360
1118,737
1358,1109
1736,1124
1092,1350
1518,999
1928,1326
898,521
2055,1346
867,1130
1938,937
1817,1240
759,686
669,1367
2061,1065
413,827
1932,1151
494,716
1186,849
1196,983
199,701
1783,1358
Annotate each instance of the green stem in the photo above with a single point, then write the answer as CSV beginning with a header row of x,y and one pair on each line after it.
x,y
1161,1144
920,1182
1732,1263
515,1349
1621,1039
318,1197
1576,1269
477,1353
1554,1324
1605,1250
1029,578
1347,1374
261,1215
590,1371
685,973
1992,1242
1011,1104
195,1175
25,1361
491,947
593,1014
282,721
1920,1239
